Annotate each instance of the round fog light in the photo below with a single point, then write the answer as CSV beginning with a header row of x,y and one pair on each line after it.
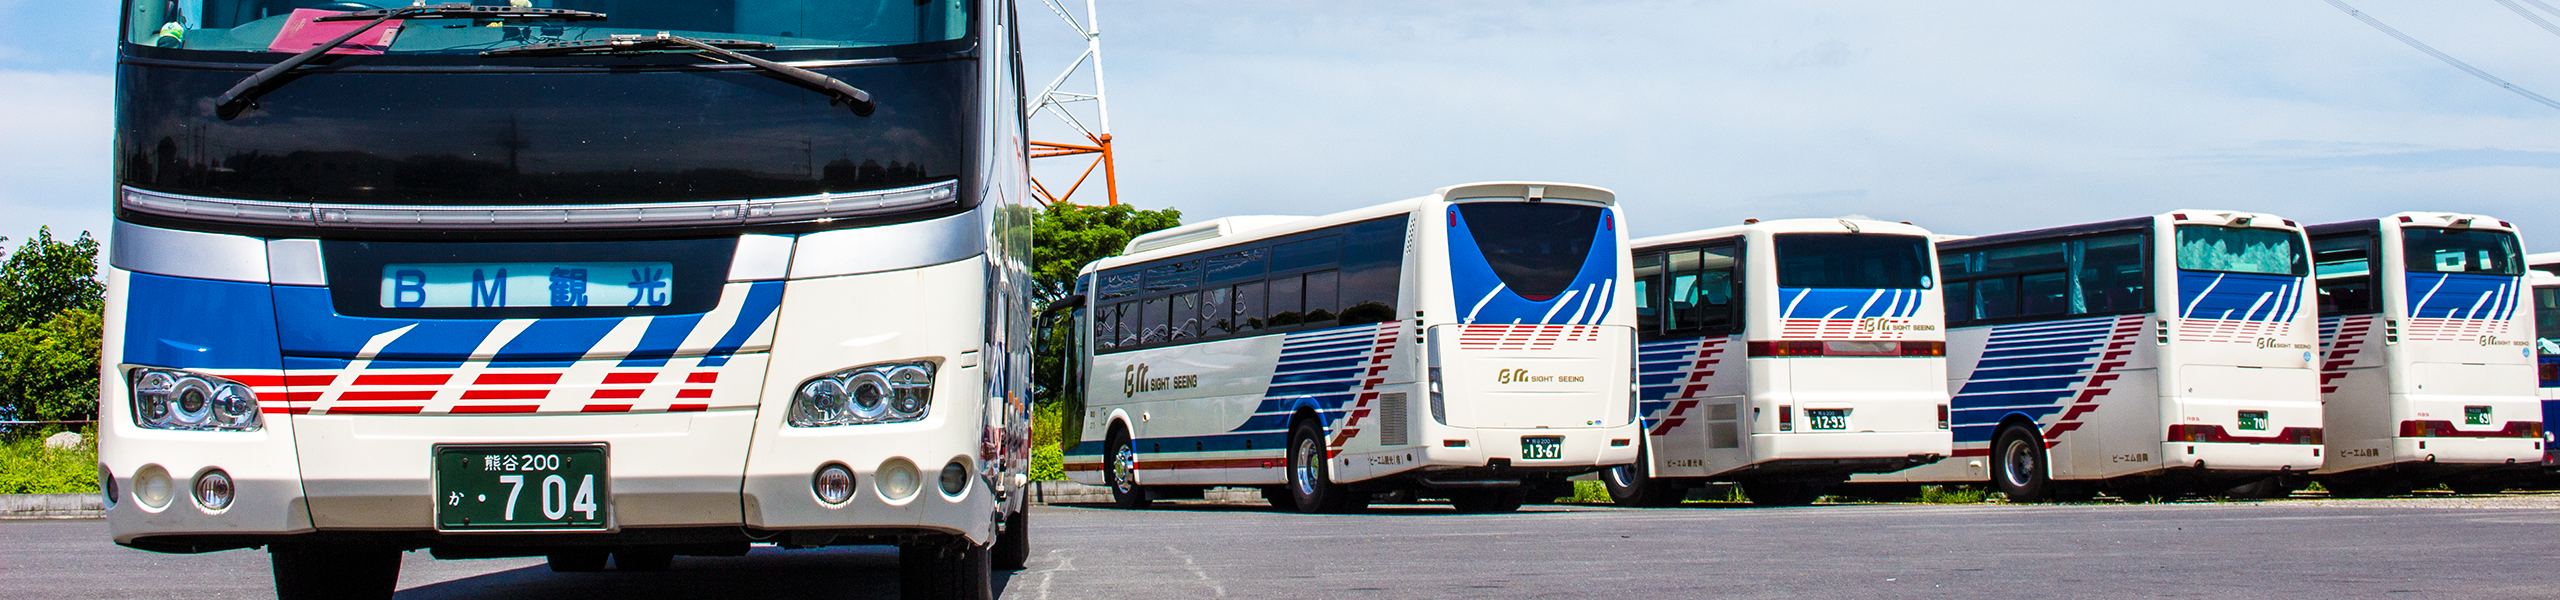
x,y
955,477
833,484
151,486
213,490
898,479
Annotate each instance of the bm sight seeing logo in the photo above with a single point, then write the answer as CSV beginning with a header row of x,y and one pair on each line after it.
x,y
1133,379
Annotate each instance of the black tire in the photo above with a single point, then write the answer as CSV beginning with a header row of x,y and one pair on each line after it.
x,y
317,572
2018,466
1629,486
578,561
1119,472
1311,475
1013,547
946,570
1500,500
643,561
1781,492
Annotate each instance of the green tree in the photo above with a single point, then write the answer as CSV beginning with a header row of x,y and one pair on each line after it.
x,y
44,278
50,301
50,372
1065,238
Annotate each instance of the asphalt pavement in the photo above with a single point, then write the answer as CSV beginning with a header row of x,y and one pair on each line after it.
x,y
2471,548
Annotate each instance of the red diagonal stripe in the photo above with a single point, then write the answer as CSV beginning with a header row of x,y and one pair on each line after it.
x,y
404,379
516,379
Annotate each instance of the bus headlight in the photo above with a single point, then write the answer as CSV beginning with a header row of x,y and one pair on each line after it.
x,y
883,393
189,401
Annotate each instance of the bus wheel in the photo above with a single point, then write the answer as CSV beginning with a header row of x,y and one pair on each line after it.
x,y
1781,492
578,561
1121,473
317,572
1629,487
2019,465
1311,485
1501,500
1013,547
945,569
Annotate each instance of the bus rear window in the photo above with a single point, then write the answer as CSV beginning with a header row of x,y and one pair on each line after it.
x,y
2240,250
1852,260
2436,250
1535,247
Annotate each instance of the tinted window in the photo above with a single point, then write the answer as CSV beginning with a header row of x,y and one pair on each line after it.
x,y
1701,292
1185,322
1310,253
1237,265
2546,314
2342,266
1176,276
1851,260
2435,250
1535,247
2240,250
1648,285
2113,275
1106,332
1250,307
1119,285
2096,274
2044,294
1151,320
1323,288
1286,298
1372,271
261,25
1127,318
1344,275
1217,314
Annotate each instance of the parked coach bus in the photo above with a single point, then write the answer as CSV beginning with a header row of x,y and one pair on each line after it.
x,y
2429,354
1473,344
1786,356
2545,278
593,280
2148,356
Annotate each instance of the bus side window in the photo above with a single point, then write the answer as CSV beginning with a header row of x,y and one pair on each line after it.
x,y
1702,289
1151,320
2342,267
1372,270
2112,276
1285,300
1105,334
1960,302
1126,315
1323,288
1186,317
1997,297
1217,317
1249,307
1648,286
2045,293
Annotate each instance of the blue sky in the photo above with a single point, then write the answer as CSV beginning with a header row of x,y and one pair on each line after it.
x,y
1965,117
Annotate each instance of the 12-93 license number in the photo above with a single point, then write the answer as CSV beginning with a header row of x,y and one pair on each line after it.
x,y
521,487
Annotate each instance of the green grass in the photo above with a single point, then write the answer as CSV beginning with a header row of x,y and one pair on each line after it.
x,y
1047,462
1952,494
27,467
1587,492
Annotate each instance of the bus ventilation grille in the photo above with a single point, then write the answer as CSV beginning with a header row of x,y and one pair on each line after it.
x,y
1391,419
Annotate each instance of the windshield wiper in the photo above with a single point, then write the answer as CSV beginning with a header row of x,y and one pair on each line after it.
x,y
230,103
719,50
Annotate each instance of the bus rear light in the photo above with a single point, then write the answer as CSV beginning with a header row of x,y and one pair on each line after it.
x,y
2215,434
1453,443
1943,413
1786,418
1813,348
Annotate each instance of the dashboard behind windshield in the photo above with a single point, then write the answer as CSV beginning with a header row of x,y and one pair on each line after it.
x,y
291,25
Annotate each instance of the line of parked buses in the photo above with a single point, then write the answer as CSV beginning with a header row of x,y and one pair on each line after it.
x,y
1488,341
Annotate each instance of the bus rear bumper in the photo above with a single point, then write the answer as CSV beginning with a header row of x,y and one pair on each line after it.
x,y
1772,447
2228,456
1585,449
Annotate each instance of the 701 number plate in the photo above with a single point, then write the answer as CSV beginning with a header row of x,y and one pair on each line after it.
x,y
521,487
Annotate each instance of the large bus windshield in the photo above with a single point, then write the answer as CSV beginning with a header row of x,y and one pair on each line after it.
x,y
1852,260
288,25
2435,250
2239,250
1535,247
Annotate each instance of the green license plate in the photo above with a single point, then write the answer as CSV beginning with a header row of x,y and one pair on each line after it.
x,y
1832,419
2477,415
2253,420
1545,447
521,487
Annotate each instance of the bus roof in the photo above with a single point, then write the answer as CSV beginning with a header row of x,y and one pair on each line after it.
x,y
2421,219
1839,225
1221,232
2189,216
2547,262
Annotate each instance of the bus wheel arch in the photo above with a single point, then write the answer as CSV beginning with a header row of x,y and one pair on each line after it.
x,y
2020,466
1120,466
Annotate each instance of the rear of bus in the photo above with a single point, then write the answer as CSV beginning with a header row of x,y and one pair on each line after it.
x,y
1529,334
2443,389
2239,334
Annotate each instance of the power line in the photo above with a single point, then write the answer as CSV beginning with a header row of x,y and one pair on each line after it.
x,y
2422,47
2529,16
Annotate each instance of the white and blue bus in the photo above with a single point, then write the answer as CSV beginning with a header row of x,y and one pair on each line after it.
x,y
603,281
2545,279
1785,356
2147,356
1473,344
2428,372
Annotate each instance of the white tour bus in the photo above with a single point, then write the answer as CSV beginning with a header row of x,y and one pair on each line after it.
x,y
2545,278
1785,356
2148,356
1473,344
2428,373
470,290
